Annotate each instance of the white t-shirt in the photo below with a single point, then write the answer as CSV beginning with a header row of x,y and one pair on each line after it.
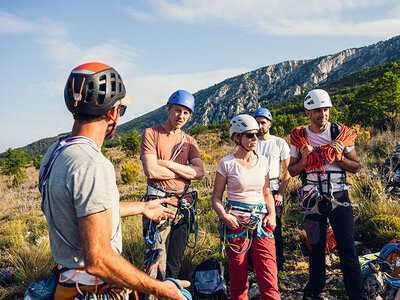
x,y
275,149
244,185
317,139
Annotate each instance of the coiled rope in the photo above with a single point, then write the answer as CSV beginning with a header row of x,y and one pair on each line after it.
x,y
298,138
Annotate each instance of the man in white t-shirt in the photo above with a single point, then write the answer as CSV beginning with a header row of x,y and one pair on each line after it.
x,y
326,196
277,152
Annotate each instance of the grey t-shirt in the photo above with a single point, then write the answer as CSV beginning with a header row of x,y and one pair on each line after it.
x,y
82,182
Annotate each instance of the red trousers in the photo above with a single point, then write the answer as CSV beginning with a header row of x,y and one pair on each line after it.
x,y
262,251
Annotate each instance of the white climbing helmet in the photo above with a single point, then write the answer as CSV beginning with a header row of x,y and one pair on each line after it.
x,y
242,123
316,99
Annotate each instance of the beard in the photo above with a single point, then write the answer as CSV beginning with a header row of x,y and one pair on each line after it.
x,y
262,132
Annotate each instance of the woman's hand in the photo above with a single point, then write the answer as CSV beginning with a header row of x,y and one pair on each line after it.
x,y
269,221
230,221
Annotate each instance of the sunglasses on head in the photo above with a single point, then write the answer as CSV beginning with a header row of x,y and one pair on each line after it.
x,y
250,135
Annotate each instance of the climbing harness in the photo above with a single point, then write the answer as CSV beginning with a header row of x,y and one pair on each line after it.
x,y
249,224
309,200
186,205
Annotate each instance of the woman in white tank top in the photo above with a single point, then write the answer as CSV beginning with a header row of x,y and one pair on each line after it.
x,y
248,220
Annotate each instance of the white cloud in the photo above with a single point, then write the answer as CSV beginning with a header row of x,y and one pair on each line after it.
x,y
152,91
11,24
380,28
288,17
137,14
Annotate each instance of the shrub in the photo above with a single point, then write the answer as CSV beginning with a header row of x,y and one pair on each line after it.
x,y
131,143
31,261
130,171
206,158
37,161
13,161
18,177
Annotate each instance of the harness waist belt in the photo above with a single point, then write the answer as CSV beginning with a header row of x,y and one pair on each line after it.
x,y
80,276
256,208
174,195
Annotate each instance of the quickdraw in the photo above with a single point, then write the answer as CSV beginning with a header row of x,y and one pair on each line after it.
x,y
249,224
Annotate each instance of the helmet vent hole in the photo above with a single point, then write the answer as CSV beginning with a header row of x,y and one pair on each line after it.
x,y
89,97
100,98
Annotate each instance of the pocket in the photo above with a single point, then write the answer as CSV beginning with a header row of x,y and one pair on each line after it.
x,y
313,231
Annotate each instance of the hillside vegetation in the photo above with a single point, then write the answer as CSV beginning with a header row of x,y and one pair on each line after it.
x,y
370,104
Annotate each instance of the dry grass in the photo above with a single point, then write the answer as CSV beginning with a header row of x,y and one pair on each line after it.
x,y
24,246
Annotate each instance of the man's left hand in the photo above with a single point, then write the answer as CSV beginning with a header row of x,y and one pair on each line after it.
x,y
153,210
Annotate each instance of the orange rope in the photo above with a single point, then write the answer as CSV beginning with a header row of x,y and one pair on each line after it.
x,y
298,137
347,136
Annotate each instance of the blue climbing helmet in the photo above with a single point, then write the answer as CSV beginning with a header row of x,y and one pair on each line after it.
x,y
183,98
263,112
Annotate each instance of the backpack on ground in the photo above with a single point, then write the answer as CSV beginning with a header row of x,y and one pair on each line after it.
x,y
208,280
388,262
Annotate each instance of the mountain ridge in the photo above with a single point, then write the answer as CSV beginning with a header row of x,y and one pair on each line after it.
x,y
263,86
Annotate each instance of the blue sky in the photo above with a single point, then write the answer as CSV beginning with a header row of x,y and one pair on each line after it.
x,y
159,46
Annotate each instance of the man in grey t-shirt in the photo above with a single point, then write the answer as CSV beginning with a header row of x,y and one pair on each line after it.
x,y
81,199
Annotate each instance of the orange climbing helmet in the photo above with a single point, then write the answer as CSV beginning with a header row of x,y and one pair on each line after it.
x,y
93,89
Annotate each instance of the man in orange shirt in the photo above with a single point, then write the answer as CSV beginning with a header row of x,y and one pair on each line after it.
x,y
171,159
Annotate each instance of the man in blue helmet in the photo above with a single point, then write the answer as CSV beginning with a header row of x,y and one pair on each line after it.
x,y
171,159
277,151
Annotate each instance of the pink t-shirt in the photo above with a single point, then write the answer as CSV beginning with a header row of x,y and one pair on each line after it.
x,y
244,185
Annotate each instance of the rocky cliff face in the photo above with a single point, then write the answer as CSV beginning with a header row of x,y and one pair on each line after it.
x,y
249,91
246,92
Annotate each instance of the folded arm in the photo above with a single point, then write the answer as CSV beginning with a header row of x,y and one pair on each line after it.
x,y
153,170
195,170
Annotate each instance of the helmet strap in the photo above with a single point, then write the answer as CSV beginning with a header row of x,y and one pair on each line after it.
x,y
240,144
115,120
77,97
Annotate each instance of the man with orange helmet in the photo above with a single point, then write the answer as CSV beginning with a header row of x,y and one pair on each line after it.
x,y
80,197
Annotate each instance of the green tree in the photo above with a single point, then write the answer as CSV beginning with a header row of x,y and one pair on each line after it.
x,y
13,161
131,143
378,104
